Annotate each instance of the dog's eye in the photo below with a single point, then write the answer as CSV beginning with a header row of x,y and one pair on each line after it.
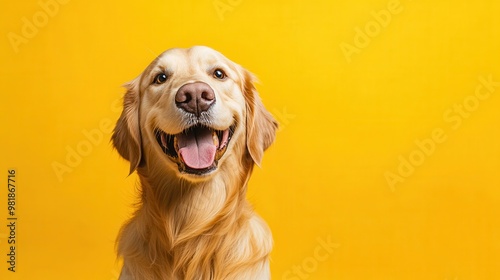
x,y
219,74
160,78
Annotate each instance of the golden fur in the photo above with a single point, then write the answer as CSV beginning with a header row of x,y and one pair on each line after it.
x,y
193,226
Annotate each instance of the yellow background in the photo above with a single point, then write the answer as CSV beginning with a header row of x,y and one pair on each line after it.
x,y
347,120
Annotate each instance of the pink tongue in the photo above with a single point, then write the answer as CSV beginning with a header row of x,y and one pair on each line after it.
x,y
197,148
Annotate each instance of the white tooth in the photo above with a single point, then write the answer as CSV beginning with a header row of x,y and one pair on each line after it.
x,y
163,140
225,138
215,139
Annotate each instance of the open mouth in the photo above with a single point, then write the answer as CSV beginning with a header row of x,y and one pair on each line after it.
x,y
197,150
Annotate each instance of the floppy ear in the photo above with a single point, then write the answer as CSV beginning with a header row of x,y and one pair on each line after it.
x,y
260,125
127,135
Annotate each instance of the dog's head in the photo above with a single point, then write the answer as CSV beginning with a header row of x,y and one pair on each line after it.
x,y
189,111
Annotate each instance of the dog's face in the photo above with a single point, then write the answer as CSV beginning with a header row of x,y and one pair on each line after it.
x,y
189,111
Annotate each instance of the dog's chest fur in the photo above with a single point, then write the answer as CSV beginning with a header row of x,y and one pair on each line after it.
x,y
195,233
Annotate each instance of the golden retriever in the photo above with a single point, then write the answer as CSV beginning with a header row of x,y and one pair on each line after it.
x,y
193,126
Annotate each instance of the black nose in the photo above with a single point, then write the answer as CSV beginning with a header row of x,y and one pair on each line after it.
x,y
195,98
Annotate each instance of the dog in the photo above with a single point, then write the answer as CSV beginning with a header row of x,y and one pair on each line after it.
x,y
193,127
